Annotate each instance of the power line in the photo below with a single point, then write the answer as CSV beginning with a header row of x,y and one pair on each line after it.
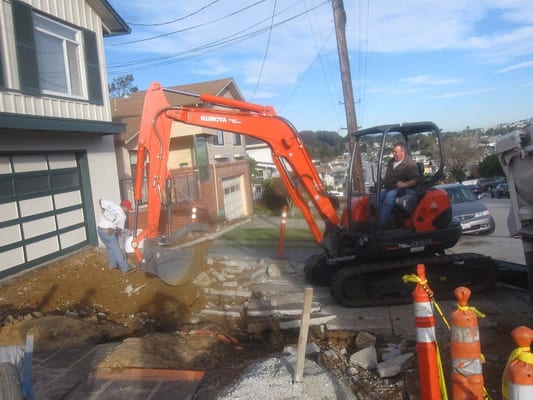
x,y
306,72
363,96
176,20
363,55
319,55
191,27
266,51
228,40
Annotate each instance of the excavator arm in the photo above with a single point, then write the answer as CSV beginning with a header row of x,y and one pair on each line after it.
x,y
292,160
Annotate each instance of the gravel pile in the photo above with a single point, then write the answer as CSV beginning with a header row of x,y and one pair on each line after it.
x,y
274,379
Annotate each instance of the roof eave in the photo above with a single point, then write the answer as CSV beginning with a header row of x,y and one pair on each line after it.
x,y
113,23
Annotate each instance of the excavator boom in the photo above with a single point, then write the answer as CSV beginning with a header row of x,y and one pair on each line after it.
x,y
289,154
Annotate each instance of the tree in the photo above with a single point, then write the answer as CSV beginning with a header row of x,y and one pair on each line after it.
x,y
122,86
490,166
323,145
254,171
459,152
275,194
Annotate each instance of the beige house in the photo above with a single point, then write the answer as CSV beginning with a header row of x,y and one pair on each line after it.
x,y
57,156
210,170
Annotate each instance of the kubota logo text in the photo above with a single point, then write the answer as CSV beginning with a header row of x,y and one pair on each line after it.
x,y
213,118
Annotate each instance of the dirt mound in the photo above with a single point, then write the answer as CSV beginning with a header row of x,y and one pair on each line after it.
x,y
79,300
82,286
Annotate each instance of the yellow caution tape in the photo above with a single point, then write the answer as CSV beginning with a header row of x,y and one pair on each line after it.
x,y
473,309
520,353
413,278
437,307
442,382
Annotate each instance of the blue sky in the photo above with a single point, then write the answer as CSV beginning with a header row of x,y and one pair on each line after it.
x,y
457,63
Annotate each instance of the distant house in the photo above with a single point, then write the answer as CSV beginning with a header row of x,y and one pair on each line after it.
x,y
57,156
262,154
332,174
210,170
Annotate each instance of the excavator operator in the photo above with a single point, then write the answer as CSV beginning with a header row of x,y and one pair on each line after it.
x,y
402,176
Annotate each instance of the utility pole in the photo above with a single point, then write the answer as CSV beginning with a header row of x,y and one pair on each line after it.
x,y
339,16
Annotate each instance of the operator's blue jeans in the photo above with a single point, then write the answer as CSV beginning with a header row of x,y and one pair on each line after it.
x,y
387,199
114,252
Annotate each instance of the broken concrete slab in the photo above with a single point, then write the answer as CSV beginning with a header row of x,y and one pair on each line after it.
x,y
396,365
366,358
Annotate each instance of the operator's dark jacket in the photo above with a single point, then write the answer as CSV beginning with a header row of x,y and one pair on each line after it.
x,y
405,171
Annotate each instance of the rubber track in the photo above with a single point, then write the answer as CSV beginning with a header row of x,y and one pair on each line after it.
x,y
476,271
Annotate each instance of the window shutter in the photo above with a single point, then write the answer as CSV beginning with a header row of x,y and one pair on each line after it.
x,y
26,52
94,82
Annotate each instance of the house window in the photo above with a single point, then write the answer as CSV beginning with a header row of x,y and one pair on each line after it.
x,y
237,139
58,57
54,58
218,140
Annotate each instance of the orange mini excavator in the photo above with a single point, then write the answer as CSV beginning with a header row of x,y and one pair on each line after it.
x,y
362,262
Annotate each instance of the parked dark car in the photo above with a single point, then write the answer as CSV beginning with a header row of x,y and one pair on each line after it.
x,y
501,190
473,214
487,184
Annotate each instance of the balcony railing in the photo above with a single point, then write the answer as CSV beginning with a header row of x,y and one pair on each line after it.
x,y
184,188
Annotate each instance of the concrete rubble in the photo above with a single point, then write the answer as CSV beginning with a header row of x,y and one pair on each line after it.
x,y
265,296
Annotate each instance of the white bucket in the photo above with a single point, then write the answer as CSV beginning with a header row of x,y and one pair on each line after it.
x,y
129,240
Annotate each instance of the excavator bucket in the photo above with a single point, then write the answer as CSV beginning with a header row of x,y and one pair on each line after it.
x,y
174,259
171,265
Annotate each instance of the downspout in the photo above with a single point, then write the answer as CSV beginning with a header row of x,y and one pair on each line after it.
x,y
216,189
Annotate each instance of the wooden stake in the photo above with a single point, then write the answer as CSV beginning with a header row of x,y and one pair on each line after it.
x,y
304,329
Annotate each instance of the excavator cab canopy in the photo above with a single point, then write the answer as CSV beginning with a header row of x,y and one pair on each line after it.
x,y
424,145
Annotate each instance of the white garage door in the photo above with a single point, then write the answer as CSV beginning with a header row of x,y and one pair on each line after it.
x,y
233,203
41,209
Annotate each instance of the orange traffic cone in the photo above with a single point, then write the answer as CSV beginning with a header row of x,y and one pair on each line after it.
x,y
517,381
466,375
282,228
426,342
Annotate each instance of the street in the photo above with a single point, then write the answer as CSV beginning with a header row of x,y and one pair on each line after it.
x,y
499,209
499,245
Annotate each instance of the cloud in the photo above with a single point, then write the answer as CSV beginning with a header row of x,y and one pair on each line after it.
x,y
462,94
528,64
490,30
426,80
413,84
